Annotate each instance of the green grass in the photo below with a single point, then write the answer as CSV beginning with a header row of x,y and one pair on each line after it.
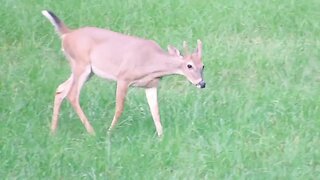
x,y
258,118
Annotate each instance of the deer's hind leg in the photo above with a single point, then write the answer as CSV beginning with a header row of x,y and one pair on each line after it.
x,y
81,75
61,92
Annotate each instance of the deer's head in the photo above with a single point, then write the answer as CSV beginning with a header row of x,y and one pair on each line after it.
x,y
192,66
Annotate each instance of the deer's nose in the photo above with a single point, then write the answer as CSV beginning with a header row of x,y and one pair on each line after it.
x,y
201,84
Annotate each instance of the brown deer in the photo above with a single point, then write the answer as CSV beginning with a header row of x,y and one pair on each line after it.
x,y
128,60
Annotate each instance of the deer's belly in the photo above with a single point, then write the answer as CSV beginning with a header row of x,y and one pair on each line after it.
x,y
103,74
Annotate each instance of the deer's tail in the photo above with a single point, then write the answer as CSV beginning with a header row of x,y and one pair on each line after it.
x,y
60,27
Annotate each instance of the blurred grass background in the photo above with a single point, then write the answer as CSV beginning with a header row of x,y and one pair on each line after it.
x,y
258,118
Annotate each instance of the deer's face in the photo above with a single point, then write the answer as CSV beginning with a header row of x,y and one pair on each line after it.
x,y
193,70
192,67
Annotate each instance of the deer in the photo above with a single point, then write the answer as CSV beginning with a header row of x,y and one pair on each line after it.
x,y
128,60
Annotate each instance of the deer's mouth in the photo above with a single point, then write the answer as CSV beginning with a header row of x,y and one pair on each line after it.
x,y
201,84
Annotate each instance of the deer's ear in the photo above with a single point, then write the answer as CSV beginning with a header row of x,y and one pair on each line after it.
x,y
174,51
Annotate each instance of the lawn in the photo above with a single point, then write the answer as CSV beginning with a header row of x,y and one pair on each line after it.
x,y
258,117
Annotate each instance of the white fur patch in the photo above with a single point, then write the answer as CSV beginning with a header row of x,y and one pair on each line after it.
x,y
152,99
151,94
50,18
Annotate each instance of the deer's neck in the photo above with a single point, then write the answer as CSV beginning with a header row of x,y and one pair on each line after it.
x,y
162,65
167,65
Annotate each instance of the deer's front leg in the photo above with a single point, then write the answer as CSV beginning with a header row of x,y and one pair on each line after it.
x,y
152,97
122,88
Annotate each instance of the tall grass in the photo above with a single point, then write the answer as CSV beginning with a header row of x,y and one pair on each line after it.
x,y
258,118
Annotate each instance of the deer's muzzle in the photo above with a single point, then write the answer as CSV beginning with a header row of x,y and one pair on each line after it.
x,y
201,84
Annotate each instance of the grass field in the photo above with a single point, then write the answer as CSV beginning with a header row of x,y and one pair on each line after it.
x,y
258,118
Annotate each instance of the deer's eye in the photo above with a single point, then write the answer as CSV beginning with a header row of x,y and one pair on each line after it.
x,y
189,66
202,67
